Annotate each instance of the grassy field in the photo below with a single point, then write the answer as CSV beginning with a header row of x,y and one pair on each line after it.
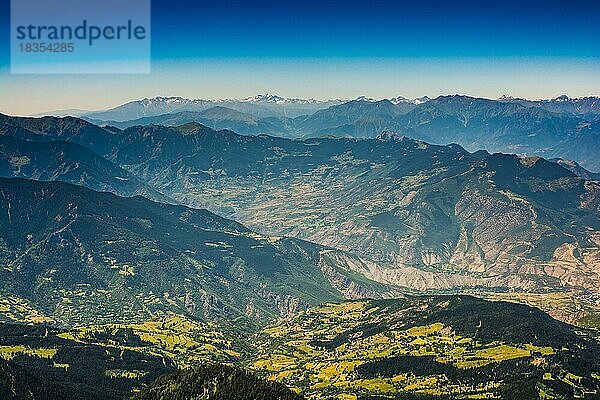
x,y
182,340
327,350
423,348
9,352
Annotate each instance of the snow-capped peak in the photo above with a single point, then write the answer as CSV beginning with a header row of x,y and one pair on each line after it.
x,y
365,98
275,99
505,97
173,100
421,100
259,98
402,99
264,98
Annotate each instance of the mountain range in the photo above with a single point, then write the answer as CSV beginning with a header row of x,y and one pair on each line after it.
x,y
403,213
338,267
265,105
68,162
562,127
585,107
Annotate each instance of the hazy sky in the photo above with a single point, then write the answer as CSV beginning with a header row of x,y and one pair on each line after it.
x,y
338,49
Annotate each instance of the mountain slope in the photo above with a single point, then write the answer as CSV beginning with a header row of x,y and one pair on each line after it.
x,y
563,128
259,106
40,362
215,382
47,129
399,202
68,162
357,118
577,169
439,347
406,213
74,256
418,347
216,118
17,384
475,123
502,127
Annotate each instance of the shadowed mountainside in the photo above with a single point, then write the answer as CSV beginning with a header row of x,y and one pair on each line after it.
x,y
75,256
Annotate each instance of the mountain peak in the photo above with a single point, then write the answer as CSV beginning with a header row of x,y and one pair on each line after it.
x,y
259,98
389,136
404,100
505,97
365,99
264,98
276,99
400,99
164,99
421,100
190,127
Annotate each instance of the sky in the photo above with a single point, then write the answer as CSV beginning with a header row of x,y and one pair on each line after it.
x,y
337,49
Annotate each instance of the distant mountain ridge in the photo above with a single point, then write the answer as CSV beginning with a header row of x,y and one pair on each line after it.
x,y
587,107
562,127
217,117
260,105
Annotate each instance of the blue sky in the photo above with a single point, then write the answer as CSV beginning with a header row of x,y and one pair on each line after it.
x,y
376,28
338,49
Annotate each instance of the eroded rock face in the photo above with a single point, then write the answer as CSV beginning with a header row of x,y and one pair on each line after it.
x,y
497,225
350,289
286,304
590,200
412,278
484,239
